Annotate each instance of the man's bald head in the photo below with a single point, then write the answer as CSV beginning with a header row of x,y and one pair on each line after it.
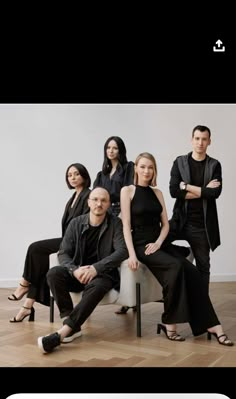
x,y
99,201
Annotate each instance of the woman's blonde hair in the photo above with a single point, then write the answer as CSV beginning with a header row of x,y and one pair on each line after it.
x,y
149,156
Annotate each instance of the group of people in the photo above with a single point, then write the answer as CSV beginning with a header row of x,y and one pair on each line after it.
x,y
95,241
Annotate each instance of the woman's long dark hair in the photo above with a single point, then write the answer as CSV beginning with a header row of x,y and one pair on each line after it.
x,y
107,166
82,171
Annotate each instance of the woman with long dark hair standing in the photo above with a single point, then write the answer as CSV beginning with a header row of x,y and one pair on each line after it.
x,y
116,173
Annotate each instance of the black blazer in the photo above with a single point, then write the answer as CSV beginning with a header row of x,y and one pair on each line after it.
x,y
181,172
79,208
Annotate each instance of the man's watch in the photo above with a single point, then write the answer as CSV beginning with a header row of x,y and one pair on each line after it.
x,y
183,186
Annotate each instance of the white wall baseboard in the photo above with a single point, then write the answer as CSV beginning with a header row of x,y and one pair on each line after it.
x,y
222,277
9,283
214,278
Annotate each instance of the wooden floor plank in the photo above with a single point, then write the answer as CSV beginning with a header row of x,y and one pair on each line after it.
x,y
109,340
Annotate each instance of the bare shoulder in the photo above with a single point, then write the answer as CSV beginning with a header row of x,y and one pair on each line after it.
x,y
158,193
128,191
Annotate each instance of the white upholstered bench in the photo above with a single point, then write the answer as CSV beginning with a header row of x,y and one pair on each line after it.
x,y
136,288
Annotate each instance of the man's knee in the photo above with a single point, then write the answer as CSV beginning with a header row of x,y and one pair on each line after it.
x,y
53,273
34,247
98,287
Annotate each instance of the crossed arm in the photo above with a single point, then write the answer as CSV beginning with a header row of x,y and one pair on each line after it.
x,y
211,190
196,192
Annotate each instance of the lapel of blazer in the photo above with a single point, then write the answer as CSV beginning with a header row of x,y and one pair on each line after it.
x,y
77,207
184,168
207,176
79,204
68,205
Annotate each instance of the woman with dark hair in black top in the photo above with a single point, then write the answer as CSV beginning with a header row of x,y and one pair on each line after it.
x,y
116,173
145,227
33,282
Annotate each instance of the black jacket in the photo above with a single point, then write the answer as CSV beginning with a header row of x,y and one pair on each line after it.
x,y
181,172
123,176
111,249
79,208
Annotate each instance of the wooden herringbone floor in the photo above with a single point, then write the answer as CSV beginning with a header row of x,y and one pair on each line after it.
x,y
110,340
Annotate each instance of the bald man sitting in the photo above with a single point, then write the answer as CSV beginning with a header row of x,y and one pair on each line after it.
x,y
91,251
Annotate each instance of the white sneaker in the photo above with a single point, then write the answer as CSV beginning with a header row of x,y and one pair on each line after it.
x,y
72,335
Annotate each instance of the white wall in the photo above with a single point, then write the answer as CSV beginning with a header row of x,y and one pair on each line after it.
x,y
39,141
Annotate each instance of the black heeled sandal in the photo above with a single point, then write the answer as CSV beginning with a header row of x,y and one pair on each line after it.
x,y
225,342
124,309
15,298
173,337
30,315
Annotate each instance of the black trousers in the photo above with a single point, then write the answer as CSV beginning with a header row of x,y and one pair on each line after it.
x,y
37,266
184,293
61,283
197,239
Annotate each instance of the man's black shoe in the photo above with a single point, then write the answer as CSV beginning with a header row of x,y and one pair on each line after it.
x,y
72,335
49,342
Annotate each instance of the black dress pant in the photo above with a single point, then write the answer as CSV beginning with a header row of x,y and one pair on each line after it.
x,y
61,283
37,266
197,239
184,293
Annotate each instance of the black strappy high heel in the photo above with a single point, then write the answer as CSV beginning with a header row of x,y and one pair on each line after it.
x,y
15,298
173,337
30,315
226,341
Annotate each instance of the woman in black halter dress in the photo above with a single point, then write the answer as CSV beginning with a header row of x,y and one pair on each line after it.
x,y
146,226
